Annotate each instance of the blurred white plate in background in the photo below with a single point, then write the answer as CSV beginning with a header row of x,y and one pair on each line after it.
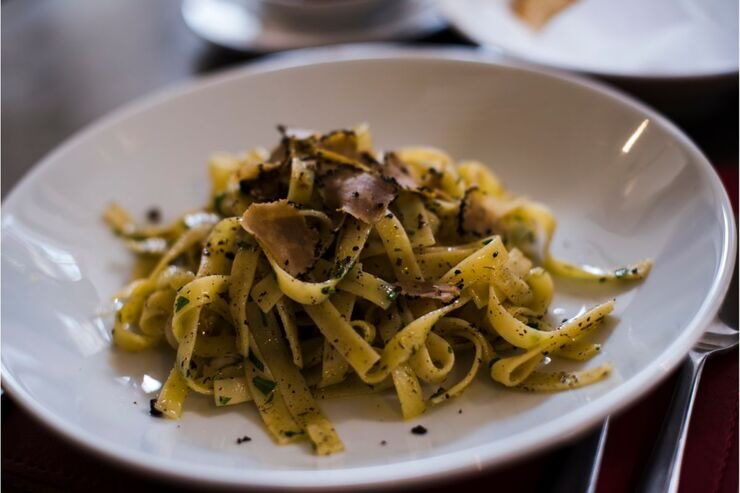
x,y
625,38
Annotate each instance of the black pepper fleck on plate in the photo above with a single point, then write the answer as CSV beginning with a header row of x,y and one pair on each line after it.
x,y
243,439
418,430
383,442
153,215
153,410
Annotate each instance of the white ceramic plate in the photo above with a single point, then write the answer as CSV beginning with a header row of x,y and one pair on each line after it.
x,y
630,38
625,184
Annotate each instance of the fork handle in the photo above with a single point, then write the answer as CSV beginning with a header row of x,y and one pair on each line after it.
x,y
663,469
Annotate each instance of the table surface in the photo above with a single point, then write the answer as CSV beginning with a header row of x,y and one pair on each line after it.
x,y
67,62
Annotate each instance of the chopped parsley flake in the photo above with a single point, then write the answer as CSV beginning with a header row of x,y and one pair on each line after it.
x,y
217,200
180,303
255,361
264,385
393,294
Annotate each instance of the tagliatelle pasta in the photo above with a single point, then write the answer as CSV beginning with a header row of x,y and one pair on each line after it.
x,y
325,269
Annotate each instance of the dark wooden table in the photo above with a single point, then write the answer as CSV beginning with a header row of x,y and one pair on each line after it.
x,y
67,62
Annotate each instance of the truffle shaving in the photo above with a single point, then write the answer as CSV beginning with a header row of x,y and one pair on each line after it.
x,y
284,233
359,194
264,182
426,289
395,169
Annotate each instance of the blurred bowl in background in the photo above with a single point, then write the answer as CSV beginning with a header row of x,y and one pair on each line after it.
x,y
257,26
330,14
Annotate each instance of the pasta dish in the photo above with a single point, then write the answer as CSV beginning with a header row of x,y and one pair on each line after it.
x,y
325,269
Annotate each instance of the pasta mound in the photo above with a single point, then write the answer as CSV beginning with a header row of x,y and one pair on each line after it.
x,y
324,268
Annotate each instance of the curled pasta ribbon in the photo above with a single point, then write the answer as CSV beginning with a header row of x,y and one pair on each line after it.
x,y
292,387
240,283
542,289
208,291
129,314
429,165
371,367
479,175
545,222
579,351
408,389
218,254
415,220
334,367
271,405
156,311
368,286
479,265
135,297
138,236
512,330
435,348
513,370
561,380
172,395
301,183
456,327
398,248
231,391
434,262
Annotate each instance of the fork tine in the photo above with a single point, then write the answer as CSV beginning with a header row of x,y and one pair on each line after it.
x,y
720,328
718,336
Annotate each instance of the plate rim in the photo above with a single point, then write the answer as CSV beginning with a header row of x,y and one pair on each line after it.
x,y
446,466
452,10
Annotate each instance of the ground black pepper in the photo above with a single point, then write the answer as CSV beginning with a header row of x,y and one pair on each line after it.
x,y
153,215
153,410
419,430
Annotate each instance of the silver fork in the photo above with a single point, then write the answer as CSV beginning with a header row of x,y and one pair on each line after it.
x,y
577,467
580,464
663,470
